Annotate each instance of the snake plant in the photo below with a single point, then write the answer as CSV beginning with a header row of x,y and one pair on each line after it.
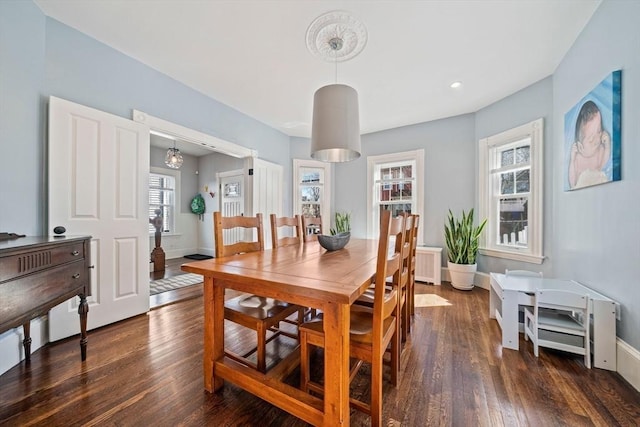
x,y
462,238
343,223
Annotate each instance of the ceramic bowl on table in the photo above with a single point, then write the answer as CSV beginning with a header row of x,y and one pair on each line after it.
x,y
335,242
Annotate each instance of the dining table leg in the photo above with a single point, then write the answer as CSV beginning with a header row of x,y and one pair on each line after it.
x,y
213,332
336,364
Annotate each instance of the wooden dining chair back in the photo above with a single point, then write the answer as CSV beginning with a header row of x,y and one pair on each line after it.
x,y
251,311
247,223
405,275
371,330
560,320
311,227
412,272
292,223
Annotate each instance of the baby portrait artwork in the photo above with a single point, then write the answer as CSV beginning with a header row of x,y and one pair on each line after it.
x,y
592,136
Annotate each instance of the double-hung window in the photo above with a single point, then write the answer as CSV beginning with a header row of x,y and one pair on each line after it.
x,y
162,196
395,183
511,193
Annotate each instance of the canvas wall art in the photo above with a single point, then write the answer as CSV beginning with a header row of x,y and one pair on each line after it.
x,y
592,136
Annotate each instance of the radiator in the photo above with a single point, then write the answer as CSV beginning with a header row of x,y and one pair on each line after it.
x,y
429,264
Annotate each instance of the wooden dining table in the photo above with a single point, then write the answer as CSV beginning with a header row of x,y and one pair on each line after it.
x,y
306,275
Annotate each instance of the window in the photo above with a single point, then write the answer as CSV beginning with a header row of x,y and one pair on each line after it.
x,y
162,195
511,193
395,183
311,187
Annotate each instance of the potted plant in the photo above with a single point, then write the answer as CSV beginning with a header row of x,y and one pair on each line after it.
x,y
343,223
461,237
340,235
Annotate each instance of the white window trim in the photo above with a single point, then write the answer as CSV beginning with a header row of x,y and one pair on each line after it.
x,y
325,211
534,253
372,161
176,194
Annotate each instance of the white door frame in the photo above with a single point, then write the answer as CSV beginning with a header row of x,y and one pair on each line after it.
x,y
327,195
189,135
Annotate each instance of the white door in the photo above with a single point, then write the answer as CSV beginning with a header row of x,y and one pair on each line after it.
x,y
265,192
312,189
232,202
98,186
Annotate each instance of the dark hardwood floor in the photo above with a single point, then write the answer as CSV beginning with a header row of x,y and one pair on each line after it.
x,y
148,371
172,268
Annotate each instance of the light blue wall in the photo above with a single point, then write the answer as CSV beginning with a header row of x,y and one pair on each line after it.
x,y
596,231
40,57
22,117
592,235
449,180
531,103
85,71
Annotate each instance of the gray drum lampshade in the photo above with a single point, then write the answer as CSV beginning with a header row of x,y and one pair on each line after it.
x,y
335,131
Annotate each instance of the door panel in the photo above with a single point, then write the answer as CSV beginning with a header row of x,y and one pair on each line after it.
x,y
232,203
98,186
265,187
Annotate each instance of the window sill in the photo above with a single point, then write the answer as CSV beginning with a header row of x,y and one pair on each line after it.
x,y
533,259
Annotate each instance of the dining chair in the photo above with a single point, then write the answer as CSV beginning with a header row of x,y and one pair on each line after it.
x,y
311,227
371,331
293,223
412,273
367,298
251,311
560,320
405,278
278,242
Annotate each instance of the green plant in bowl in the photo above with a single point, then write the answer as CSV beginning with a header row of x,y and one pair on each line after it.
x,y
343,223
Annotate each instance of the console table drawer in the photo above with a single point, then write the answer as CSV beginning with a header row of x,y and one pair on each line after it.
x,y
17,265
33,295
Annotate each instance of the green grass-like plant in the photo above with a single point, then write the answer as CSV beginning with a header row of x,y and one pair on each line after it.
x,y
343,223
462,238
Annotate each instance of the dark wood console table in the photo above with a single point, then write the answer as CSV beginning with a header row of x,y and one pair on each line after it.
x,y
38,273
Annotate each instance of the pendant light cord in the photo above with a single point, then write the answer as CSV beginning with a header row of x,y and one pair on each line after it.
x,y
335,61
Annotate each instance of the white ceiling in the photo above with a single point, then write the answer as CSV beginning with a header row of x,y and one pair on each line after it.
x,y
252,55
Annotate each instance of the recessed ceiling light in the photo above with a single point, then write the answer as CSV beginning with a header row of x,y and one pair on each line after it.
x,y
455,85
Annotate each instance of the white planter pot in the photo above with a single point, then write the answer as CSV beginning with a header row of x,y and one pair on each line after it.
x,y
462,275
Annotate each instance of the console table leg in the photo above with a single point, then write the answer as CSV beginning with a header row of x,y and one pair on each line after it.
x,y
83,309
27,341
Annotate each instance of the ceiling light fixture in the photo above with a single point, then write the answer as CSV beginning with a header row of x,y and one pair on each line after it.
x,y
455,85
335,130
173,159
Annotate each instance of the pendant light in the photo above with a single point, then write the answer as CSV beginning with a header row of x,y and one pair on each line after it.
x,y
173,159
335,130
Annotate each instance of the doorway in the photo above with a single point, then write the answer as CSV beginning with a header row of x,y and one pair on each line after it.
x,y
187,233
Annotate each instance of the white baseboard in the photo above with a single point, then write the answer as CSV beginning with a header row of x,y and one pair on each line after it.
x,y
628,363
481,280
11,349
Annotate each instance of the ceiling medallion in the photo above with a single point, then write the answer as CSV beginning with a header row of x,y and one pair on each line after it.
x,y
336,25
